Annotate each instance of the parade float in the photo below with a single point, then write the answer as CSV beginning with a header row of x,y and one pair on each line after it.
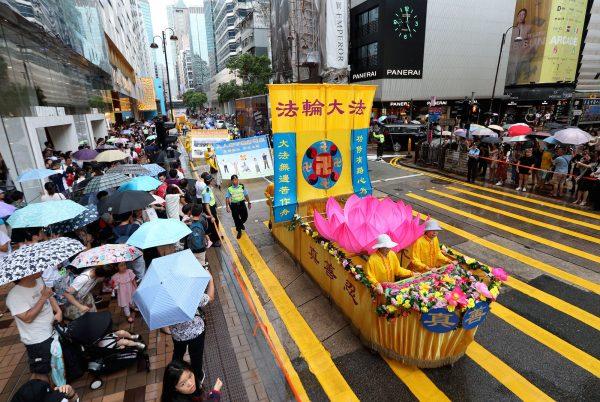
x,y
323,213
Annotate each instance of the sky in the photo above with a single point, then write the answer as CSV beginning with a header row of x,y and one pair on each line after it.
x,y
158,8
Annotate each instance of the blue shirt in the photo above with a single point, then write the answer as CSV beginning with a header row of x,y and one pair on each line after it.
x,y
561,164
474,152
228,194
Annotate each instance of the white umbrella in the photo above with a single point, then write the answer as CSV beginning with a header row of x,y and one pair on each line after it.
x,y
483,132
495,127
573,136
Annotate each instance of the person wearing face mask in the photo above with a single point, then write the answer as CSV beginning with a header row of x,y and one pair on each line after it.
x,y
425,253
181,385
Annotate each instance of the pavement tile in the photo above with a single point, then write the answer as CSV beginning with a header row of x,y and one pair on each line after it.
x,y
117,397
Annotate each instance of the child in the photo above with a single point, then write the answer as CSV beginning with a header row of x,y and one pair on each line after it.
x,y
119,340
124,283
197,240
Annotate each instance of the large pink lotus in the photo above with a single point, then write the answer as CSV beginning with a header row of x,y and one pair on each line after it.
x,y
356,227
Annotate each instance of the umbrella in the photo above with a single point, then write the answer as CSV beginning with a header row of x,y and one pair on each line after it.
x,y
159,232
6,209
415,122
42,214
129,168
491,140
36,174
551,140
518,138
83,219
111,140
126,132
105,181
446,133
381,119
540,134
111,156
573,136
171,289
141,183
154,169
106,254
150,137
105,147
33,258
126,201
519,129
495,127
85,154
483,132
461,132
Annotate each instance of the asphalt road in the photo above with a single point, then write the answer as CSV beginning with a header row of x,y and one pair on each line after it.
x,y
544,338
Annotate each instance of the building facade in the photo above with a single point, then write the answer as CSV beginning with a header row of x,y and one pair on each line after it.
x,y
178,16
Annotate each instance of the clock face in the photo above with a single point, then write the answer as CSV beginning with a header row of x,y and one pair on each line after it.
x,y
405,22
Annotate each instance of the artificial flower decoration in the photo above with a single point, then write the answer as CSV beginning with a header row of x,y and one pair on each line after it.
x,y
355,227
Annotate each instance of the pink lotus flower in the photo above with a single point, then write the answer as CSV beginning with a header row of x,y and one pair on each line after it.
x,y
355,227
483,290
456,297
500,274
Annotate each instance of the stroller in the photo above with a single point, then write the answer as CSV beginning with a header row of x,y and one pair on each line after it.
x,y
82,336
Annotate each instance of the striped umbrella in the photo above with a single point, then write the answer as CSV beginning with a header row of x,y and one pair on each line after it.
x,y
105,182
154,169
130,168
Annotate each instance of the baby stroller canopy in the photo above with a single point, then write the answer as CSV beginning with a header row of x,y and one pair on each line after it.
x,y
90,327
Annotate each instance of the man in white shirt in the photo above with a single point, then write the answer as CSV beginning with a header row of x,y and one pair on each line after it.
x,y
34,308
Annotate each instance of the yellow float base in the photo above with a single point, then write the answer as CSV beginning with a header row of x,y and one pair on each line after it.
x,y
403,338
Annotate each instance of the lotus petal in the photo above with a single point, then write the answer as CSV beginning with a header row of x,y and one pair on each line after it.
x,y
346,240
350,204
323,226
333,208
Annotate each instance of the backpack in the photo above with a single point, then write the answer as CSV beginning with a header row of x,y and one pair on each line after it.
x,y
196,240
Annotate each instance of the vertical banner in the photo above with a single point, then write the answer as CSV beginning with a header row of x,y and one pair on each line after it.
x,y
285,198
321,119
336,35
361,182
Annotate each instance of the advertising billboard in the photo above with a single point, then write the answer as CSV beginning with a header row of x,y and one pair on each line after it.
x,y
545,41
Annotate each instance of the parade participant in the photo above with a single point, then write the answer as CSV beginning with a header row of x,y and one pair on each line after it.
x,y
269,194
383,266
425,253
35,309
236,199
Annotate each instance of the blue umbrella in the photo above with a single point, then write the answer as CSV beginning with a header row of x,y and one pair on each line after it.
x,y
551,140
42,214
154,169
171,289
141,183
89,215
159,232
36,174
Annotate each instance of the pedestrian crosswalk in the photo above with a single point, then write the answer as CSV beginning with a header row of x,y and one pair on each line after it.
x,y
560,232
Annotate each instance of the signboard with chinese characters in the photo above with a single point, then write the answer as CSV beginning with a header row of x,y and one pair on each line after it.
x,y
247,158
148,99
319,142
202,139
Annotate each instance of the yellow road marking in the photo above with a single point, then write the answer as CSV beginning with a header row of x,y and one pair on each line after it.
x,y
524,208
593,239
292,374
525,259
550,300
417,382
502,372
393,162
317,357
506,228
547,339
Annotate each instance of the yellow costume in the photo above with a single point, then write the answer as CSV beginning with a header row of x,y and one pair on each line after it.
x,y
269,193
209,157
385,269
426,254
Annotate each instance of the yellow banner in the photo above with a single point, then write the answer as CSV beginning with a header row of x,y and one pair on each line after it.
x,y
323,118
148,99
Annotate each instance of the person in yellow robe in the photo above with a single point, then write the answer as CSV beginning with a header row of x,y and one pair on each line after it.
x,y
269,194
383,265
425,253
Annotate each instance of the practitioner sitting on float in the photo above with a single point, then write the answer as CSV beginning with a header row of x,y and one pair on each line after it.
x,y
383,266
425,253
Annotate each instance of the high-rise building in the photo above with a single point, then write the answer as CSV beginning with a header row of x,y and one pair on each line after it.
x,y
198,32
210,36
144,6
178,16
224,21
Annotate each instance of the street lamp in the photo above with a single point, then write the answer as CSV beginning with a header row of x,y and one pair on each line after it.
x,y
154,45
517,39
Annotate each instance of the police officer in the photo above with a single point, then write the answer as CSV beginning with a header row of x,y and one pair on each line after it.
x,y
236,199
380,138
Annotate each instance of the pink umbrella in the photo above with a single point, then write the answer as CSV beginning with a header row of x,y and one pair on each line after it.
x,y
518,129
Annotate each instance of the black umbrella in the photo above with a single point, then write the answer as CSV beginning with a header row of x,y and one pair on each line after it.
x,y
125,201
491,140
